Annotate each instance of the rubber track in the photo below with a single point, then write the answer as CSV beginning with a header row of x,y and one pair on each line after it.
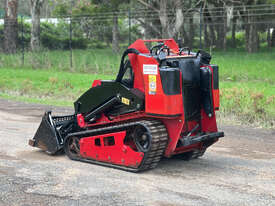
x,y
151,158
197,153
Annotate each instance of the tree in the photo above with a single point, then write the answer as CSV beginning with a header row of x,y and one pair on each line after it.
x,y
10,26
251,32
149,19
113,5
96,9
217,19
170,19
170,26
234,24
273,38
169,29
209,31
115,42
35,31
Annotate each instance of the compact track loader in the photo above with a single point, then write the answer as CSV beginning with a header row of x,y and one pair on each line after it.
x,y
162,103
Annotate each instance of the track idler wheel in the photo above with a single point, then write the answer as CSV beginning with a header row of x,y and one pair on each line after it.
x,y
142,139
72,148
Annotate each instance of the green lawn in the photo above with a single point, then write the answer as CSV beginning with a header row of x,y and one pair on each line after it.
x,y
45,86
247,80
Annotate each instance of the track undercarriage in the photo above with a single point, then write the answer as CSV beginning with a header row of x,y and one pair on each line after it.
x,y
134,146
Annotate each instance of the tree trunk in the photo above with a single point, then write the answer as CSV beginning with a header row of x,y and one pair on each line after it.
x,y
115,42
253,39
191,32
268,37
224,28
251,32
209,22
218,29
206,21
244,14
252,36
10,26
234,22
164,18
186,41
234,25
207,42
35,30
175,30
147,27
221,29
273,38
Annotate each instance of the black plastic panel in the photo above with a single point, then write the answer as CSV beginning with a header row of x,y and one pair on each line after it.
x,y
206,90
215,76
190,69
170,79
192,103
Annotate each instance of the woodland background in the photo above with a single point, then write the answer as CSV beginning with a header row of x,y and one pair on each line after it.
x,y
81,24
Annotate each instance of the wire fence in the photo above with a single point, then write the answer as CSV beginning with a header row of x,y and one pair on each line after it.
x,y
65,39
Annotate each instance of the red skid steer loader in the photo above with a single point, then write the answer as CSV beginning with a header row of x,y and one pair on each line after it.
x,y
162,103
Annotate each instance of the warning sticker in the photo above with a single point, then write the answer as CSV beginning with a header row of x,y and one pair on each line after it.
x,y
125,101
152,84
150,69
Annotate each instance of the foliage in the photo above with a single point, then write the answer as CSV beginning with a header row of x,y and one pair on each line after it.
x,y
55,36
239,40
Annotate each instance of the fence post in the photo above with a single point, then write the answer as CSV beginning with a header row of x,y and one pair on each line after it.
x,y
22,41
129,17
71,49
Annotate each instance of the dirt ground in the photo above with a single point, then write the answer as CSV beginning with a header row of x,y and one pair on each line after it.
x,y
238,170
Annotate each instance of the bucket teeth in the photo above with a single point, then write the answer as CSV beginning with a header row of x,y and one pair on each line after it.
x,y
32,142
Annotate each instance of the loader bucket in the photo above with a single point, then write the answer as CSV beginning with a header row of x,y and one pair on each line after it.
x,y
49,136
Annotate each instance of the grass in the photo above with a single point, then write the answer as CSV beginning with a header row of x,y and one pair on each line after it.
x,y
240,66
45,86
101,61
247,81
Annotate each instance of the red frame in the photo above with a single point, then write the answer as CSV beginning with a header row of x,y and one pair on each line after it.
x,y
117,153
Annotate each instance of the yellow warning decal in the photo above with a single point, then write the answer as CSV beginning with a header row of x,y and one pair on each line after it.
x,y
125,101
152,84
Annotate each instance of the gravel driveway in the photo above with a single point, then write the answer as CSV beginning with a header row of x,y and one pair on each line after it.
x,y
238,170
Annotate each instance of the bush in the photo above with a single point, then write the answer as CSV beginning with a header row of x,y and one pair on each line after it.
x,y
96,44
56,36
52,36
239,40
26,36
52,42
